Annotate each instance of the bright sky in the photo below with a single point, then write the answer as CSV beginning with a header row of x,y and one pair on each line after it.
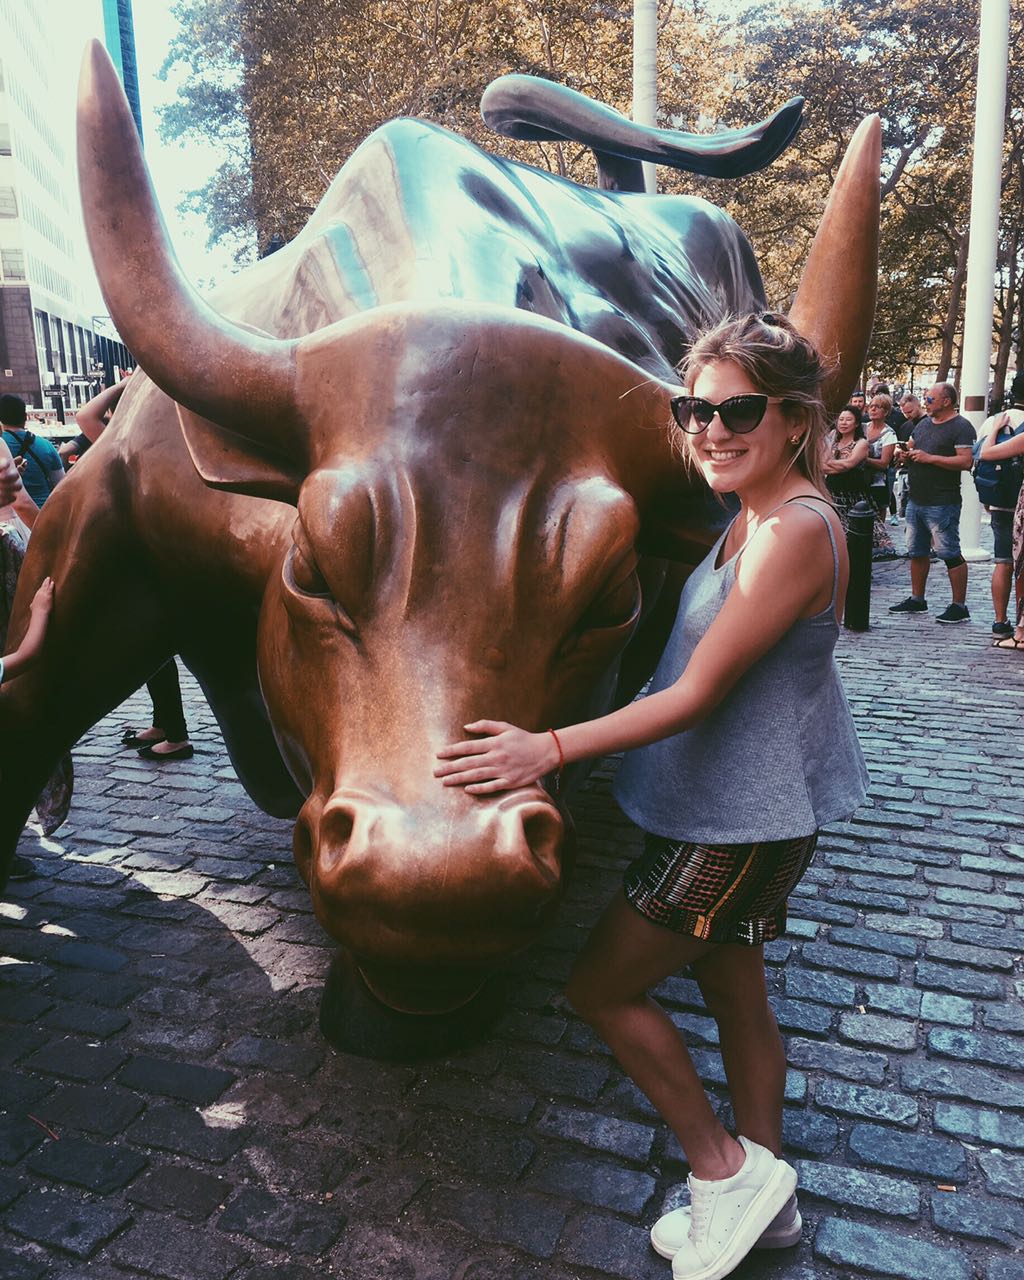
x,y
176,169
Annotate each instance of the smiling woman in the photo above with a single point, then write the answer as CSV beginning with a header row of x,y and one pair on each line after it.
x,y
726,773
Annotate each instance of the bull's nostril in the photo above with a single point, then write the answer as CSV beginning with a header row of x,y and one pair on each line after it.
x,y
544,832
336,825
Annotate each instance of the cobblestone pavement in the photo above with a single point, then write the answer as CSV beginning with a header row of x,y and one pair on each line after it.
x,y
170,1110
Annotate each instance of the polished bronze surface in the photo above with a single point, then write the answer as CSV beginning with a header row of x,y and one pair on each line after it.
x,y
409,471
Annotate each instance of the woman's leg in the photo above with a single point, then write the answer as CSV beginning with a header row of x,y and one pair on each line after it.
x,y
623,958
732,982
168,713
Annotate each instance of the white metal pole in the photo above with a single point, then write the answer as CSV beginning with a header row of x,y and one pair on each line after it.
x,y
990,104
645,73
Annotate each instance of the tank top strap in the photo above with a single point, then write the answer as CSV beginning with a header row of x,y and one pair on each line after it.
x,y
804,499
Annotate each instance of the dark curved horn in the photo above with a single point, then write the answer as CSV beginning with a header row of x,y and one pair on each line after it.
x,y
213,367
835,304
539,110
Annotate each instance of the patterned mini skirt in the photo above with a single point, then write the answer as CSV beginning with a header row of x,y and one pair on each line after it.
x,y
718,892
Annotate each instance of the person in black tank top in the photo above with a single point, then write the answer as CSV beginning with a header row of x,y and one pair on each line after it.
x,y
712,884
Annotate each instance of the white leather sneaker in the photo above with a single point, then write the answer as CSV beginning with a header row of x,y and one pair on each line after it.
x,y
669,1233
728,1216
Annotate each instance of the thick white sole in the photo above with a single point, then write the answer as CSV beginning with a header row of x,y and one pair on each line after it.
x,y
766,1206
783,1238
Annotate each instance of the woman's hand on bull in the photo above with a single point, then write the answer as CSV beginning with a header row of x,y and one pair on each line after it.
x,y
501,760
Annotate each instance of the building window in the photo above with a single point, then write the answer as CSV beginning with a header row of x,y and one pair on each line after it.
x,y
12,263
5,138
8,204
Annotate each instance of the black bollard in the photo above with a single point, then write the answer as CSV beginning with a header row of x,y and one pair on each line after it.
x,y
860,524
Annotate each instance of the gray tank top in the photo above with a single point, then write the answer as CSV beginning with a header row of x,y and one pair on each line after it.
x,y
777,758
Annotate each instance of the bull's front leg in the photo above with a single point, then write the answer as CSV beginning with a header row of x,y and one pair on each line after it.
x,y
108,632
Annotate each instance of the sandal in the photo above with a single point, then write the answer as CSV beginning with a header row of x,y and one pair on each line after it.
x,y
1008,642
130,738
183,752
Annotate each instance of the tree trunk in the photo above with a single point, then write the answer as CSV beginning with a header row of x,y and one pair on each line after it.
x,y
953,310
1006,326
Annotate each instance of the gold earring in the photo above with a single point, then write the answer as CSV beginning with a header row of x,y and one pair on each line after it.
x,y
794,439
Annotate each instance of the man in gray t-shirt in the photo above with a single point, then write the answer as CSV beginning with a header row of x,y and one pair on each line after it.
x,y
935,456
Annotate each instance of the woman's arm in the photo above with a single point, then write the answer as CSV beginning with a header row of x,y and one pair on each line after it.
x,y
92,417
992,452
853,459
39,617
882,462
784,572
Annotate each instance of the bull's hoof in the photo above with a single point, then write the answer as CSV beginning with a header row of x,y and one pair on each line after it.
x,y
354,1020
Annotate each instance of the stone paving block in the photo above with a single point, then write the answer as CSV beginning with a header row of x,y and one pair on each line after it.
x,y
1004,1017
877,940
825,988
66,1222
951,1080
268,1100
888,1253
1004,1174
1004,1269
259,1053
16,1044
965,982
976,957
977,1046
182,1080
528,1222
859,1189
100,1169
557,1073
977,936
837,1059
18,1092
287,1223
801,1015
24,1006
866,964
20,1266
977,1218
607,1186
613,1248
186,1253
381,1192
10,1188
946,1008
474,1149
903,1001
500,1102
76,1060
112,992
601,1133
859,897
873,1144
878,1032
867,1103
185,1132
18,1135
92,1021
192,1193
809,1133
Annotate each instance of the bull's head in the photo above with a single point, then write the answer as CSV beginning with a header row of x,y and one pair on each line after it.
x,y
404,606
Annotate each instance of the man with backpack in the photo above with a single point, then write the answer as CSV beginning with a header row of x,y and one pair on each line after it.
x,y
998,485
41,467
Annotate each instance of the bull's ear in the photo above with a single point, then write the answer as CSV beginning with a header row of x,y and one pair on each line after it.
x,y
232,462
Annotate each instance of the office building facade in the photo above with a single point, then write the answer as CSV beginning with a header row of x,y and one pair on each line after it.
x,y
55,351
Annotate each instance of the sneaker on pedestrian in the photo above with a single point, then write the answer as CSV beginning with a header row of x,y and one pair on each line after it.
x,y
21,869
728,1216
1002,628
955,613
670,1232
911,605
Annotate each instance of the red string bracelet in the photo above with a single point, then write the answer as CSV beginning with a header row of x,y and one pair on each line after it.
x,y
561,760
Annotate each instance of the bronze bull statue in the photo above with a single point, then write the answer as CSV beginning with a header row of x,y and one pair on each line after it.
x,y
408,471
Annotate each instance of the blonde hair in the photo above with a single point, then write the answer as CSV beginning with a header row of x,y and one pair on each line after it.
x,y
883,399
780,362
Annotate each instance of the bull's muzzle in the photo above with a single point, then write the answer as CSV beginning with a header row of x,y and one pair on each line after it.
x,y
448,888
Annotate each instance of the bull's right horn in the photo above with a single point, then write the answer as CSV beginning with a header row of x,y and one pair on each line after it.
x,y
835,304
219,370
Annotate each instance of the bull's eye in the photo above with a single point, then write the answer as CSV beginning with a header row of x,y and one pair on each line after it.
x,y
303,575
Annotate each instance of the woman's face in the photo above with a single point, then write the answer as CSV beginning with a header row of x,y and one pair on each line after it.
x,y
876,412
847,423
732,463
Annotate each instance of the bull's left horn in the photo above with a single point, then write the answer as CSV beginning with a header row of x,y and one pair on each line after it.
x,y
835,304
242,380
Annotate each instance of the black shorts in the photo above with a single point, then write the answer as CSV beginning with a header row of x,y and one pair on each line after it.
x,y
718,892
